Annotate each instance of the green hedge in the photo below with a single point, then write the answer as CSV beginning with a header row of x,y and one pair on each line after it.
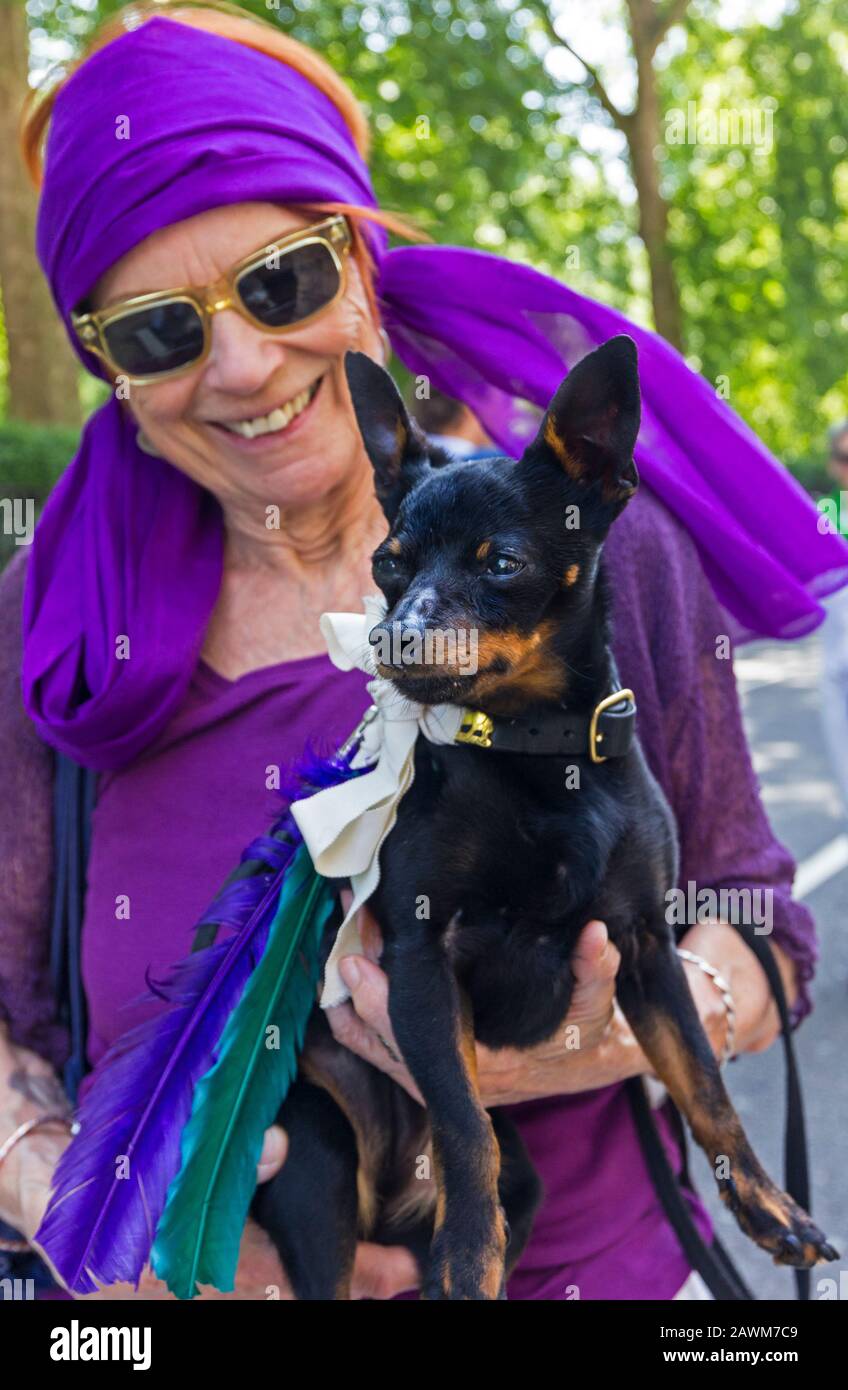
x,y
33,457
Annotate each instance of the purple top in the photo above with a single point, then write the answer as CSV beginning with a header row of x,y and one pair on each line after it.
x,y
204,783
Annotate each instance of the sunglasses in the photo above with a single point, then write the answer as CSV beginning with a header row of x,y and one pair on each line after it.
x,y
281,287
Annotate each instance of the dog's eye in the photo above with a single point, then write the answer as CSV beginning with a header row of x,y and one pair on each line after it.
x,y
387,564
503,564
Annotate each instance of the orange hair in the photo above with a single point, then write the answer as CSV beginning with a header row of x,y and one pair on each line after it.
x,y
231,22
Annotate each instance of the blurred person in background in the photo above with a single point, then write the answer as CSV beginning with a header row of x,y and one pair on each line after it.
x,y
450,424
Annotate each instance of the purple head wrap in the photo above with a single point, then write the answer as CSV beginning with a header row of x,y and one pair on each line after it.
x,y
126,560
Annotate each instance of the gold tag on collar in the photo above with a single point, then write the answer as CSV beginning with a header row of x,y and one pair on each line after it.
x,y
476,728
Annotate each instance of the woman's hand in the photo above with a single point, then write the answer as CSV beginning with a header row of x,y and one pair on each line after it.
x,y
29,1088
593,1047
757,1019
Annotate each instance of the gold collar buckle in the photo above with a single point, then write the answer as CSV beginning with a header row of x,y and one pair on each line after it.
x,y
608,701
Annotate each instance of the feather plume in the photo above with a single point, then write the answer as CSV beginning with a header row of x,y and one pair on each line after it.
x,y
110,1185
198,1237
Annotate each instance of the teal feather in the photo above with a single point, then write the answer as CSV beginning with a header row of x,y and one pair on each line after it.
x,y
198,1236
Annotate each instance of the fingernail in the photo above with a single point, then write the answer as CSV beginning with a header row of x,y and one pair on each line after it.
x,y
350,972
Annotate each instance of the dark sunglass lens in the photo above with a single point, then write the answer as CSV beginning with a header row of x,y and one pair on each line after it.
x,y
297,283
154,340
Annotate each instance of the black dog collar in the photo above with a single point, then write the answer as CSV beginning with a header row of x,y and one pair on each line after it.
x,y
605,733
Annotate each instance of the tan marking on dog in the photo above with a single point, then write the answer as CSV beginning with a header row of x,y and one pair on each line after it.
x,y
488,1171
370,1155
572,466
535,672
483,549
394,546
570,576
400,441
418,1200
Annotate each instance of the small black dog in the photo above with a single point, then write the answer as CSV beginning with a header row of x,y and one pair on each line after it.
x,y
511,859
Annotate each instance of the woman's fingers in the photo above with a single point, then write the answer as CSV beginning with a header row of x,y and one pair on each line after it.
x,y
381,1271
595,965
364,1026
595,960
275,1146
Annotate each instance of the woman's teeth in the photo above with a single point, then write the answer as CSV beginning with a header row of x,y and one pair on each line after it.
x,y
277,420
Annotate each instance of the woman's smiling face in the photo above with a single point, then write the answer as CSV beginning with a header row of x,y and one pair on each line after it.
x,y
248,373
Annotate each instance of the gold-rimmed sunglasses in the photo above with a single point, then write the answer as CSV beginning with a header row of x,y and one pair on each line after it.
x,y
278,288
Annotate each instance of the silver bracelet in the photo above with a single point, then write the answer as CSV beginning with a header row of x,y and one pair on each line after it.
x,y
726,998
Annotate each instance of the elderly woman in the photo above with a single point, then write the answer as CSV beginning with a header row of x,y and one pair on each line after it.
x,y
214,254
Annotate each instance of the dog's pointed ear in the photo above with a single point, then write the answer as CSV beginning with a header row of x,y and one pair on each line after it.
x,y
393,441
589,430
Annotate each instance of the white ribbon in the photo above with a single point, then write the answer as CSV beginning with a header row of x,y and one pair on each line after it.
x,y
344,826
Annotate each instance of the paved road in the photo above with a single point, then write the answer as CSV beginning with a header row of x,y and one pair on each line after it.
x,y
780,701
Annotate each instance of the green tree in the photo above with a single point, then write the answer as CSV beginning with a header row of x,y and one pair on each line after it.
x,y
41,372
736,250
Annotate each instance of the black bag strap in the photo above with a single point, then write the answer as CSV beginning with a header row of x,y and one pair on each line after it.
x,y
712,1262
796,1167
716,1270
74,791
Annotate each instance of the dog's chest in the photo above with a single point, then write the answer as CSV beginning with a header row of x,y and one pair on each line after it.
x,y
492,846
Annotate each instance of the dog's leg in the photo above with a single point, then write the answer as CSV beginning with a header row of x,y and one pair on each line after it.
x,y
433,1026
658,1005
310,1208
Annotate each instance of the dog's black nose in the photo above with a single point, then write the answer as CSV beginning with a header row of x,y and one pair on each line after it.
x,y
395,643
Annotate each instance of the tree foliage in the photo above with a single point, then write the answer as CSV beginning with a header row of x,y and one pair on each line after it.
x,y
479,137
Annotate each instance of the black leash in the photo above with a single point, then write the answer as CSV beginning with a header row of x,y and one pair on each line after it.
x,y
719,1275
713,1263
796,1166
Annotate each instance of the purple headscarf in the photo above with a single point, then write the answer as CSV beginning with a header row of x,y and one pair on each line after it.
x,y
126,560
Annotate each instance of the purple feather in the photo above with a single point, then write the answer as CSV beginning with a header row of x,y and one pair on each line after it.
x,y
110,1185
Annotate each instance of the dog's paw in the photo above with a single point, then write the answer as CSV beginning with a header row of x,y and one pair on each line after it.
x,y
463,1266
777,1224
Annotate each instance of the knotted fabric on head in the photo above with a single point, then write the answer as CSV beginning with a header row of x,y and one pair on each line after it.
x,y
169,121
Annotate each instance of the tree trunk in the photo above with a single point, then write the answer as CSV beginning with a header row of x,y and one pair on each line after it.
x,y
43,377
643,136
